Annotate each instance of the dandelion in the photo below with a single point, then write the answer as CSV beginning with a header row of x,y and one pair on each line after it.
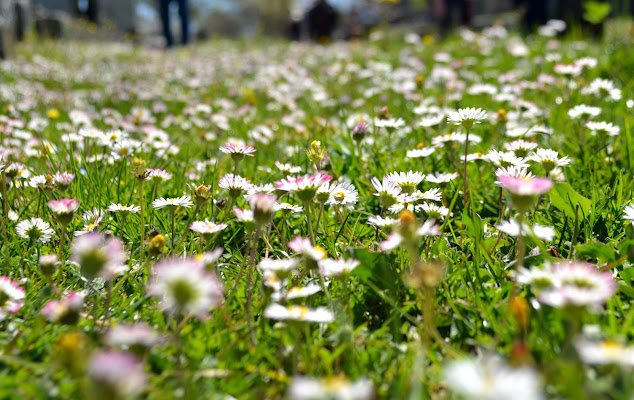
x,y
35,229
184,287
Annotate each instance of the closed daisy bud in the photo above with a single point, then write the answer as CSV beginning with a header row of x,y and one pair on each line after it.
x,y
63,210
263,206
139,168
359,131
48,264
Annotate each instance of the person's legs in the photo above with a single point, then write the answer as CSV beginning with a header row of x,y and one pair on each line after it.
x,y
184,14
164,10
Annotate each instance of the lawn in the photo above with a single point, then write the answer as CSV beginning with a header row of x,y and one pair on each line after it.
x,y
395,218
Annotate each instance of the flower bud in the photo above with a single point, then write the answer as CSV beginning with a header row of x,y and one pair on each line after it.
x,y
521,312
48,264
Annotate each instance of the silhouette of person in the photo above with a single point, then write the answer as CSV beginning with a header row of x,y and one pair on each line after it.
x,y
321,20
183,12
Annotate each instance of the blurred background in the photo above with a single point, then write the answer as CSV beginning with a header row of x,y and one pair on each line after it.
x,y
140,21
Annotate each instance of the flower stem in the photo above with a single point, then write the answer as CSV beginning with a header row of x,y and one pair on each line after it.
x,y
250,285
141,180
307,208
153,198
466,152
5,222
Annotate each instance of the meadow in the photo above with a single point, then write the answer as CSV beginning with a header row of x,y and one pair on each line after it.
x,y
395,218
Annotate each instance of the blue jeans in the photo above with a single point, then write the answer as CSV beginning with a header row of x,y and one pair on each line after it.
x,y
164,9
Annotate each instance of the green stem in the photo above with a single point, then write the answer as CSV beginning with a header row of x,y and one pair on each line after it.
x,y
307,208
142,220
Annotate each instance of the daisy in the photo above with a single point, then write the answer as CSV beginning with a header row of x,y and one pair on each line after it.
x,y
407,181
35,229
629,213
237,151
66,310
513,171
235,184
524,191
578,284
116,375
184,201
338,267
63,180
12,296
343,194
287,169
583,110
512,228
136,336
296,292
303,246
207,229
520,147
158,175
91,219
122,210
305,187
505,159
603,128
288,208
605,352
493,379
263,206
568,70
63,210
183,286
389,123
441,178
603,88
467,117
334,387
420,153
431,194
549,159
457,137
98,256
434,212
382,222
387,191
298,313
539,278
282,268
394,239
246,217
